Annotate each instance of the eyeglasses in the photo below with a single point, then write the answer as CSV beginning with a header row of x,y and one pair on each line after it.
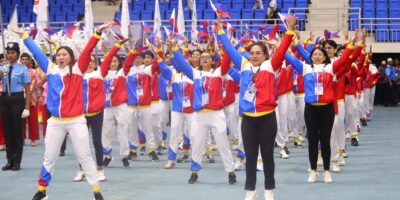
x,y
205,57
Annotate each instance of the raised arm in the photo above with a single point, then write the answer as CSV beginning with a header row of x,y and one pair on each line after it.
x,y
279,55
235,74
166,72
105,65
181,62
237,58
303,53
129,61
295,62
84,58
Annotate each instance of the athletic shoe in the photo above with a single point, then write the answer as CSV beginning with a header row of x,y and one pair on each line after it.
x,y
33,144
335,166
132,155
16,167
268,194
345,154
348,136
327,177
251,195
170,164
153,156
283,154
363,122
101,177
358,128
40,195
286,150
238,165
80,176
354,142
125,162
8,166
184,159
62,153
98,196
231,178
193,178
298,144
312,178
210,158
342,161
142,150
107,160
159,151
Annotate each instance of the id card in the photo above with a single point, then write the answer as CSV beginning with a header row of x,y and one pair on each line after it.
x,y
319,89
186,102
250,93
139,91
223,92
204,98
169,88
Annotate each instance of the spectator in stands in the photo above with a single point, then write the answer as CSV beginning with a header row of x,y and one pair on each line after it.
x,y
2,139
390,85
380,91
272,11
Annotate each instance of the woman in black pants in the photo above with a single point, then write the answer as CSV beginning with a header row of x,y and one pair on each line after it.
x,y
319,97
257,101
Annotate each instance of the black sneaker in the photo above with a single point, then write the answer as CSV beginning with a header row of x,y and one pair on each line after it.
x,y
159,151
98,196
363,122
132,155
193,178
62,153
184,159
40,195
210,158
354,142
153,156
125,162
232,178
16,167
107,161
8,166
142,150
286,150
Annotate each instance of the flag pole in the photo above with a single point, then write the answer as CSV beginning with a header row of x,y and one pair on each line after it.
x,y
3,42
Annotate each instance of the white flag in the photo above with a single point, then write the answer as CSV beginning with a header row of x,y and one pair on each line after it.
x,y
41,10
157,20
180,19
194,23
89,24
125,20
13,23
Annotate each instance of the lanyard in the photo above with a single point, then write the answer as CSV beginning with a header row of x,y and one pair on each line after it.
x,y
252,74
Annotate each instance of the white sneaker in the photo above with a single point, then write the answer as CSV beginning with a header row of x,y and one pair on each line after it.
x,y
269,194
238,165
101,177
342,161
348,136
260,165
327,177
251,195
80,176
170,164
335,166
312,178
283,154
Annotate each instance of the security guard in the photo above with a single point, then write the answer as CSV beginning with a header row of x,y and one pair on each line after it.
x,y
13,107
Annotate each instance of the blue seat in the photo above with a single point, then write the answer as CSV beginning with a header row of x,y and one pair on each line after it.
x,y
66,8
237,4
395,35
259,14
146,15
199,14
150,5
381,6
235,13
60,17
353,24
79,9
167,14
394,5
200,6
394,13
117,15
138,5
21,9
247,13
134,15
248,4
288,3
209,14
55,8
72,16
356,4
381,14
381,1
164,5
301,4
369,2
382,35
187,14
25,17
367,22
382,24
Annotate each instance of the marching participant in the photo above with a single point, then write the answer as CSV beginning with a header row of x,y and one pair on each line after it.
x,y
65,103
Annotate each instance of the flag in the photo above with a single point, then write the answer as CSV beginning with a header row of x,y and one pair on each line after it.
x,y
32,32
317,40
173,21
180,22
283,17
89,24
203,31
41,9
157,20
49,31
69,29
116,21
125,19
273,34
194,31
220,10
13,23
146,27
329,35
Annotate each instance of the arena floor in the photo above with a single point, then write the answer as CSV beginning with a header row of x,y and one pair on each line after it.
x,y
372,172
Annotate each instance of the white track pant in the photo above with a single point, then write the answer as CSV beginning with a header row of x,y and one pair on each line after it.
x,y
240,152
156,122
180,124
79,135
338,137
282,119
232,120
142,118
361,106
369,95
201,123
299,123
351,114
291,114
165,109
116,115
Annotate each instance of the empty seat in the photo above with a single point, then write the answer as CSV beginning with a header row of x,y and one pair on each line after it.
x,y
395,35
247,13
209,14
259,14
72,16
60,17
288,3
134,15
146,15
382,35
164,5
237,4
25,17
235,13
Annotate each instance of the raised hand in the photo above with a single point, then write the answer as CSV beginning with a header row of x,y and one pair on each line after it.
x,y
17,30
291,23
104,26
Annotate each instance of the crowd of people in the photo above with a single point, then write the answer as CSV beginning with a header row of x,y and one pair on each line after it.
x,y
246,98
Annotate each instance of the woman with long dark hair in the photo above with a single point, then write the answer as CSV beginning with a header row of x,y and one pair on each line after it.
x,y
65,103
